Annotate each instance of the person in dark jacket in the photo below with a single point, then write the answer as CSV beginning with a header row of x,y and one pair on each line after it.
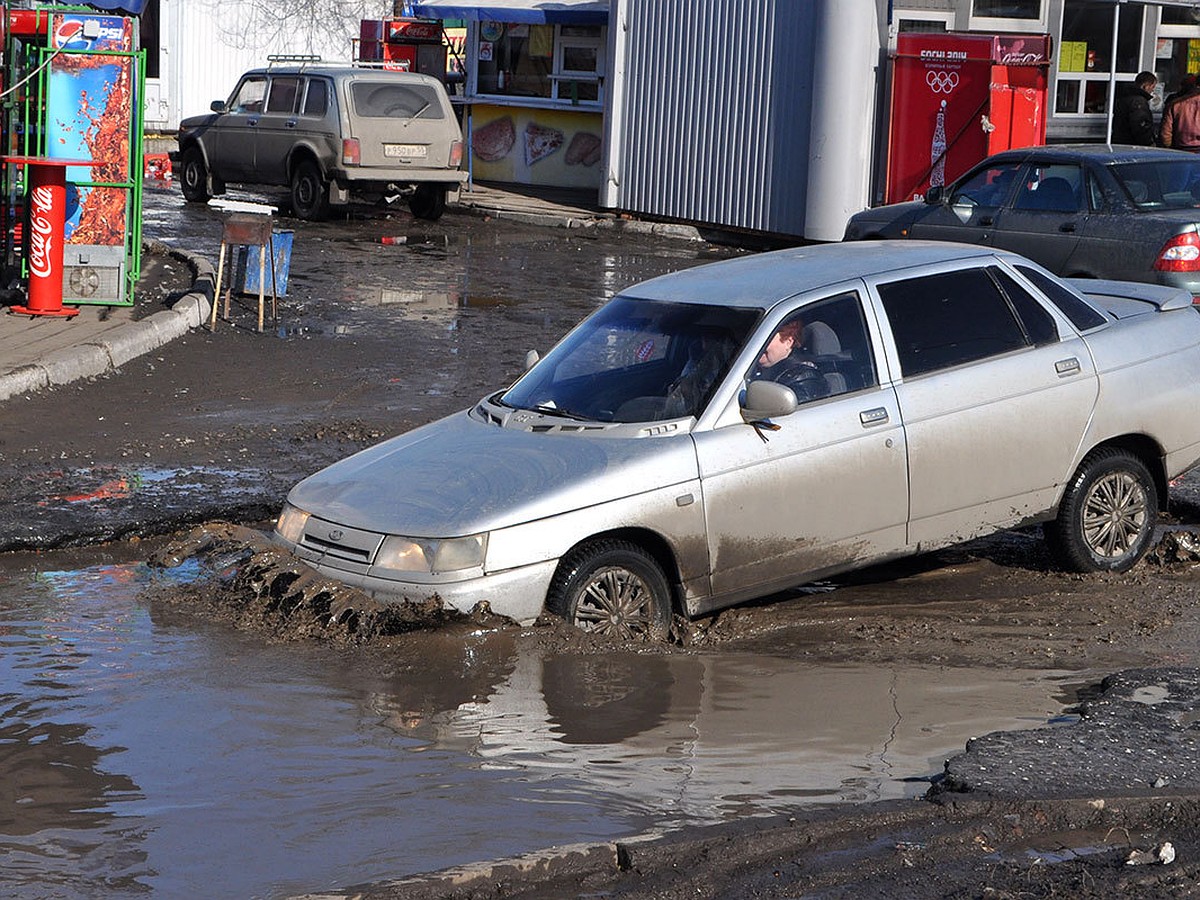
x,y
1133,123
780,364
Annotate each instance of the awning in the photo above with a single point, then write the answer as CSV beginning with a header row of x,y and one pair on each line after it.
x,y
132,7
537,12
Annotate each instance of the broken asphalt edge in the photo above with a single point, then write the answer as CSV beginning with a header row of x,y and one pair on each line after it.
x,y
483,209
915,824
92,359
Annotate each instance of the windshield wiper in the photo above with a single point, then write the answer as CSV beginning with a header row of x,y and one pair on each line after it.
x,y
417,113
550,409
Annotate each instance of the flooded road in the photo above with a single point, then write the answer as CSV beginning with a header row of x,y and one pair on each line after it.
x,y
144,750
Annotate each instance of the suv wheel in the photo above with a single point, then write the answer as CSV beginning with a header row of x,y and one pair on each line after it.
x,y
193,176
428,202
310,197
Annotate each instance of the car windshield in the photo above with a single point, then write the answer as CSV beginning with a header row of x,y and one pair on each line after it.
x,y
636,361
1162,183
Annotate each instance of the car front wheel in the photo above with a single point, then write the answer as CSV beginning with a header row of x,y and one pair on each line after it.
x,y
1107,517
310,199
428,202
613,588
193,176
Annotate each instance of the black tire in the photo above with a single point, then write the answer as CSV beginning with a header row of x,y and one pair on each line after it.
x,y
193,176
428,202
1107,516
612,588
310,194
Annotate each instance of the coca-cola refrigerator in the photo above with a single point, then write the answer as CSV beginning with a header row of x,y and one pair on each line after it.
x,y
957,98
409,45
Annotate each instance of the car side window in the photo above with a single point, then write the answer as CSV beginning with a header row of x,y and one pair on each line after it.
x,y
821,350
1051,188
1082,316
1096,199
949,319
316,99
989,186
250,96
1039,324
284,94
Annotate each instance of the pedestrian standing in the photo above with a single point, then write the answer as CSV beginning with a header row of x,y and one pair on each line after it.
x,y
1133,123
1181,122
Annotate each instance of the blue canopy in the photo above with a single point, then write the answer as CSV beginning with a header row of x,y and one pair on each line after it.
x,y
535,12
132,7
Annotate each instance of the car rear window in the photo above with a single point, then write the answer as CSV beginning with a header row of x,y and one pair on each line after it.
x,y
1161,184
392,100
1074,308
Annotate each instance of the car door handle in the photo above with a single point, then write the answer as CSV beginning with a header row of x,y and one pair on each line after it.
x,y
252,122
986,220
1067,227
1065,367
290,123
873,417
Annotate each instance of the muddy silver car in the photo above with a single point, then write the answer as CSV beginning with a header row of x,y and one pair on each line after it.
x,y
728,431
330,134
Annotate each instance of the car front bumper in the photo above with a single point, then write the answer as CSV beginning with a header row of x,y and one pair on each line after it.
x,y
518,594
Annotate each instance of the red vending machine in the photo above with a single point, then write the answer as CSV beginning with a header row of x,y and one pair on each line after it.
x,y
410,45
957,98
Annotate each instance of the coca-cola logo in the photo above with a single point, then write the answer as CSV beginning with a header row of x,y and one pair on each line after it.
x,y
41,232
1018,59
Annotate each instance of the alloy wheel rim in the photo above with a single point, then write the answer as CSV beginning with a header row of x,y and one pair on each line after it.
x,y
1114,514
616,602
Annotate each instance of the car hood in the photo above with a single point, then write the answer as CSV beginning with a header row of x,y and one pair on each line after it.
x,y
193,122
460,476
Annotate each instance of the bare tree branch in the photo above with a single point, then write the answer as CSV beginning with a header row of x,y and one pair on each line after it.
x,y
294,26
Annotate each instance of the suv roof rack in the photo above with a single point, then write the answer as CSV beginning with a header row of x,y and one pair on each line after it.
x,y
275,59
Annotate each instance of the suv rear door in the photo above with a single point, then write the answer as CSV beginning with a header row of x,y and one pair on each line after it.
x,y
297,108
402,122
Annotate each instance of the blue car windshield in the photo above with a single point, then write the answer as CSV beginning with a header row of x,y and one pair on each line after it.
x,y
1161,184
637,361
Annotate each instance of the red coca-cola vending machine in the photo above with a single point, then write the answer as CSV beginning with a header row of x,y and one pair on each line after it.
x,y
410,45
957,98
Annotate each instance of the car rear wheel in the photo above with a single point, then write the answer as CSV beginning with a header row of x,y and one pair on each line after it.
x,y
310,198
428,202
193,176
613,588
1107,517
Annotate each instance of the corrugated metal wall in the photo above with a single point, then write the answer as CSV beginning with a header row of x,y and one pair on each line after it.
x,y
711,118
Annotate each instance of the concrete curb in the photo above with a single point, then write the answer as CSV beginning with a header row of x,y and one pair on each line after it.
x,y
601,220
92,359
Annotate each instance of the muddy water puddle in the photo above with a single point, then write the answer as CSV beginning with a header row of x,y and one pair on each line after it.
x,y
144,749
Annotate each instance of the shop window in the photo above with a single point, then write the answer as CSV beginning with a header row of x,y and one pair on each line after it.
x,y
922,26
1085,53
1007,9
1172,15
555,62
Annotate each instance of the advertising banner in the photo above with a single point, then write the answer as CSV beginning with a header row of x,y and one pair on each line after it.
x,y
536,146
89,108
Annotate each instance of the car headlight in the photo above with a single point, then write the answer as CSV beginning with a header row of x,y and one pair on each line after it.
x,y
404,554
291,522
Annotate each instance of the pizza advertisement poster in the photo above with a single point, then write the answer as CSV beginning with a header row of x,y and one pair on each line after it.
x,y
537,146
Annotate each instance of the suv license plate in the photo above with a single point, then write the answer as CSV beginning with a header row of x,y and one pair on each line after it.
x,y
405,151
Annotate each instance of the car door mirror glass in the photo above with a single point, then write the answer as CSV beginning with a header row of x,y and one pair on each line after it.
x,y
767,400
218,106
531,358
935,194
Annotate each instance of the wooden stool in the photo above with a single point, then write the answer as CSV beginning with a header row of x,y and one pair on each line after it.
x,y
247,230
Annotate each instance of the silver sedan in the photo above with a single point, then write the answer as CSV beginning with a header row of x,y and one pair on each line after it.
x,y
728,431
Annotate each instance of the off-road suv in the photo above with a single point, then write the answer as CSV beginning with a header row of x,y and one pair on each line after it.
x,y
329,134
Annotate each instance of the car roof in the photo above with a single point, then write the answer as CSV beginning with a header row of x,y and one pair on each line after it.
x,y
347,71
1099,153
764,279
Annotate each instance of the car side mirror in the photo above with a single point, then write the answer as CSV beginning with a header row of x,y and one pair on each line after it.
x,y
767,400
935,194
218,106
531,359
